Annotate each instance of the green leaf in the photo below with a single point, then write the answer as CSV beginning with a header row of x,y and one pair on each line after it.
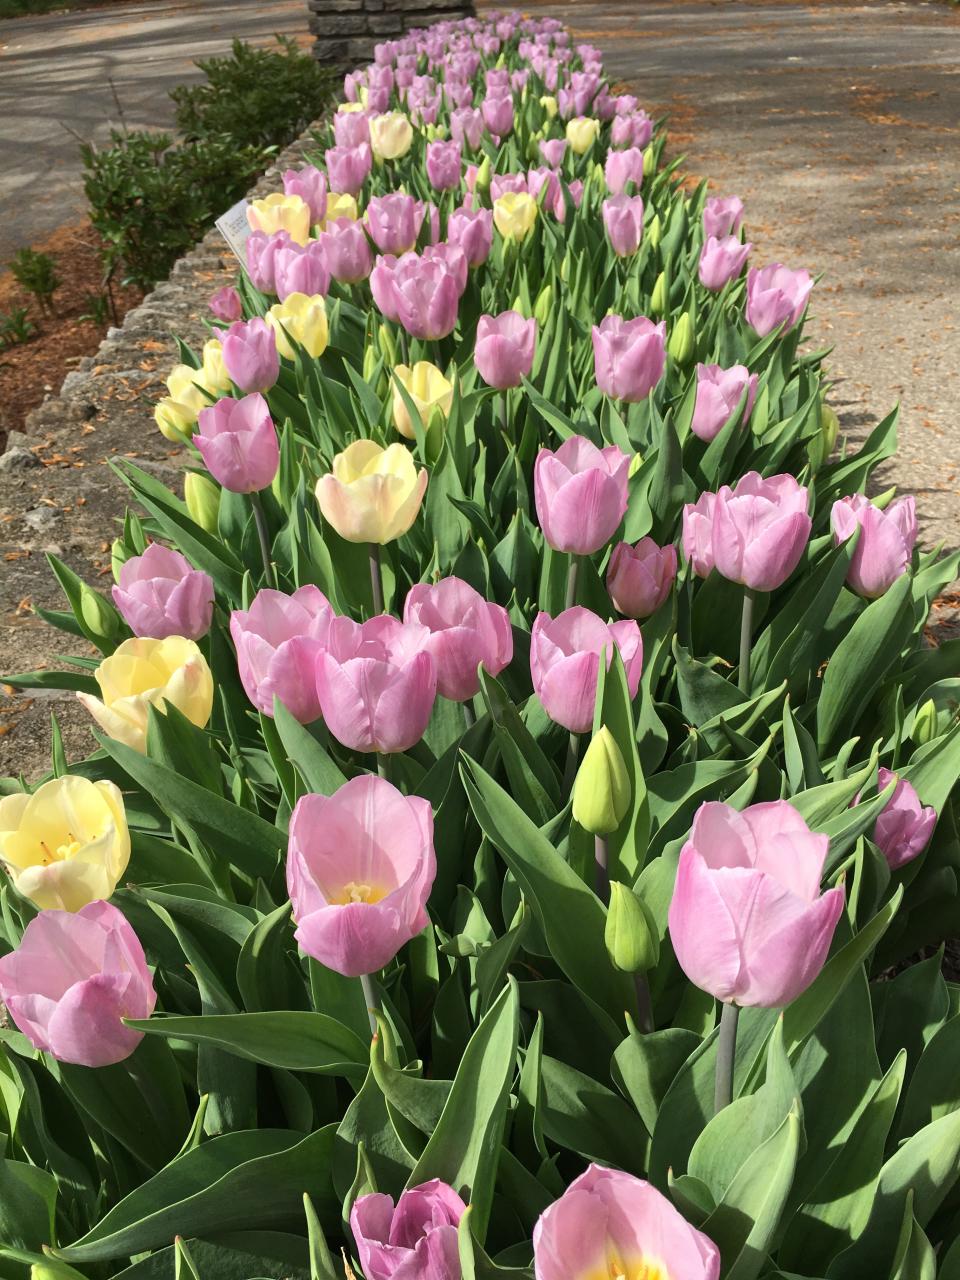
x,y
581,1114
28,1198
465,1145
317,769
645,1066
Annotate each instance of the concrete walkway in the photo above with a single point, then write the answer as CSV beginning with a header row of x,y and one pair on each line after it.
x,y
55,82
839,126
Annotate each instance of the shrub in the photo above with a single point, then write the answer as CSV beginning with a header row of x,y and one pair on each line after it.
x,y
37,273
16,327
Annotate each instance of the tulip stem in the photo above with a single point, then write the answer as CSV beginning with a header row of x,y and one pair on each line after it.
x,y
260,520
383,766
469,715
376,577
726,1055
573,759
404,345
372,1000
573,572
746,637
601,856
644,1003
504,414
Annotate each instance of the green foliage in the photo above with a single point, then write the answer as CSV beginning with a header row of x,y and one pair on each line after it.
x,y
16,327
37,273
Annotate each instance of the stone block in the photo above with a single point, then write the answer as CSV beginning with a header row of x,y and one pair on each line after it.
x,y
337,51
385,24
329,26
335,6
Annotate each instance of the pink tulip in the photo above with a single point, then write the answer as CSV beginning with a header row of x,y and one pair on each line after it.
x,y
250,354
565,662
505,348
278,640
427,296
472,231
261,252
225,304
698,534
776,296
310,184
760,530
160,594
623,220
719,391
417,1240
639,578
73,979
722,216
581,494
394,222
360,866
453,258
904,827
349,167
444,162
722,261
609,1223
498,114
538,179
238,442
884,549
497,81
351,129
552,151
629,356
747,920
623,167
376,683
466,126
466,632
301,270
346,250
381,287
502,184
575,190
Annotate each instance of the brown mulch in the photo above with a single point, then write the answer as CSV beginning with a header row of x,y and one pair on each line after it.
x,y
32,370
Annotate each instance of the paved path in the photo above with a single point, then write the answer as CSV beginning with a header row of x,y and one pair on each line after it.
x,y
56,70
839,125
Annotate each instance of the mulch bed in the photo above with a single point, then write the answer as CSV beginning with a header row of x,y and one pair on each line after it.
x,y
33,370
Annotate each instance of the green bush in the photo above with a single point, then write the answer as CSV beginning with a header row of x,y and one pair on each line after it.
x,y
258,97
37,273
152,197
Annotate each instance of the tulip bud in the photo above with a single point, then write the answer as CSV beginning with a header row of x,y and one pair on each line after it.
x,y
649,162
388,348
370,358
925,726
658,299
680,345
118,557
98,616
829,429
630,935
565,268
654,231
202,497
541,308
483,174
601,790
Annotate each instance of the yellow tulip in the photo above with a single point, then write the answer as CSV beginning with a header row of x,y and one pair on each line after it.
x,y
175,420
514,214
340,206
372,494
67,844
427,388
143,673
184,385
549,104
582,133
303,318
345,107
213,371
390,135
279,212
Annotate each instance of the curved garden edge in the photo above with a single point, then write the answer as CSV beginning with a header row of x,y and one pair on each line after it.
x,y
57,494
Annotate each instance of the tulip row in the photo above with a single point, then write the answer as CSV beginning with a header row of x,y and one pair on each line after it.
x,y
522,706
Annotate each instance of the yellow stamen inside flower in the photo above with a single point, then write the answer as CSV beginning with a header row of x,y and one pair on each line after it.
x,y
356,891
68,849
617,1268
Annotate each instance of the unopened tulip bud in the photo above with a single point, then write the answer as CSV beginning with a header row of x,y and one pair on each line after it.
x,y
99,617
925,724
654,231
118,557
483,174
649,162
681,341
202,497
541,308
388,348
370,358
629,935
658,299
829,429
601,790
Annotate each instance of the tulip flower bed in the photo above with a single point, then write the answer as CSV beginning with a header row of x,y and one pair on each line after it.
x,y
520,769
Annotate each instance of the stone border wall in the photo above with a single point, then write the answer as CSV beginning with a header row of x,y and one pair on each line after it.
x,y
58,494
347,30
